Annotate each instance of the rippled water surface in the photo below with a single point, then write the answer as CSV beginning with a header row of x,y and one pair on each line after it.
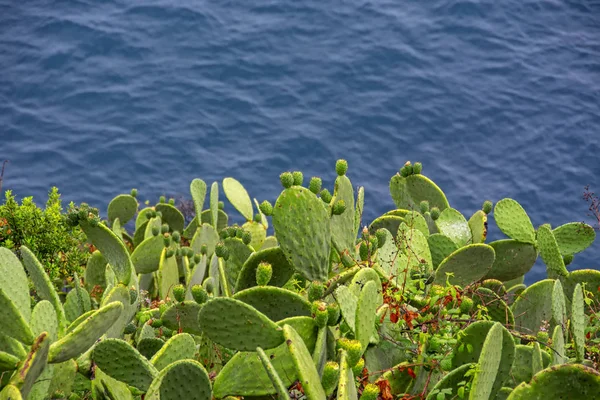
x,y
497,99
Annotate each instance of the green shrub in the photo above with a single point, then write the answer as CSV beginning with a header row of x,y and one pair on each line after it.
x,y
58,246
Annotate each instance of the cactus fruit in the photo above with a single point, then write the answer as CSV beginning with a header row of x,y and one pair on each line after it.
x,y
199,294
339,207
358,368
424,206
330,377
315,291
333,309
353,349
417,168
266,208
320,313
246,237
487,206
298,178
315,184
371,391
341,167
326,196
179,292
221,250
264,272
435,213
287,179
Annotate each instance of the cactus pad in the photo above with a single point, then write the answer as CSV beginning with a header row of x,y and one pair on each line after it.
x,y
366,308
469,264
13,282
198,192
452,224
258,233
238,254
478,226
185,379
346,388
148,347
112,248
555,266
85,334
533,306
559,308
205,235
513,259
303,229
274,302
574,237
440,247
498,310
146,256
282,390
119,294
43,319
489,365
408,192
122,207
568,381
389,222
183,316
78,303
171,216
342,226
179,347
589,277
168,275
578,319
451,381
282,269
558,346
33,366
236,325
512,219
238,197
12,322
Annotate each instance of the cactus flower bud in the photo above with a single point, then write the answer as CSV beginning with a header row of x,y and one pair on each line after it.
x,y
164,228
257,218
198,257
170,253
339,207
341,167
156,323
172,201
417,168
266,208
239,232
315,184
326,196
363,251
179,292
222,251
155,230
176,237
315,291
203,249
264,272
287,179
246,237
130,329
334,314
199,294
149,214
466,305
298,178
487,206
568,259
162,199
435,213
133,192
220,205
424,206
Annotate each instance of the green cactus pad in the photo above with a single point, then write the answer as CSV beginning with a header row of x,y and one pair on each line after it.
x,y
469,264
282,269
244,375
85,334
10,392
112,248
122,362
359,207
184,379
119,294
558,347
33,366
589,277
303,229
238,197
214,205
12,346
342,226
205,235
559,308
12,322
183,316
140,234
478,226
513,221
498,310
399,212
440,247
168,275
513,259
179,347
578,319
8,362
361,278
274,302
123,207
196,277
148,347
95,271
78,303
414,245
42,284
14,283
258,233
568,381
452,224
489,364
43,319
282,390
415,220
142,217
236,325
409,192
348,303
388,256
555,266
307,372
198,192
238,255
171,216
366,308
533,306
346,387
222,219
452,381
389,222
146,256
574,237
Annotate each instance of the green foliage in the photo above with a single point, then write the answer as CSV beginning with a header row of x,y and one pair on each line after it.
x,y
59,246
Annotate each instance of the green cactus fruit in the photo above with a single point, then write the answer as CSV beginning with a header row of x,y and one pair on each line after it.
x,y
468,264
339,207
252,328
298,178
371,391
315,184
169,253
315,291
172,201
341,167
156,323
333,309
199,294
568,259
221,205
130,329
257,218
326,196
466,305
358,368
155,230
246,237
353,348
287,179
162,199
264,272
363,251
179,292
424,206
434,213
266,208
406,170
330,377
164,229
320,313
222,251
417,168
487,206
238,197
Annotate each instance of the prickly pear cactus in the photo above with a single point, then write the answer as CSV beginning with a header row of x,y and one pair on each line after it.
x,y
238,197
488,365
282,390
440,247
513,221
342,226
282,269
123,207
578,322
408,192
303,229
513,259
468,264
178,347
198,192
550,252
567,381
168,384
533,307
453,224
274,302
574,237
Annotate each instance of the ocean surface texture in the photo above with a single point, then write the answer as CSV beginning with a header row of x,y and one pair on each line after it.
x,y
497,99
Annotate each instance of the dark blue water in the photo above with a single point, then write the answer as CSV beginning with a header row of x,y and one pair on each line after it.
x,y
497,99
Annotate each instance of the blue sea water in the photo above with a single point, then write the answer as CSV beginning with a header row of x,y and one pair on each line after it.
x,y
497,99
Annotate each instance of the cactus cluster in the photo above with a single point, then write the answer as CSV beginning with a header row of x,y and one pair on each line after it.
x,y
414,305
